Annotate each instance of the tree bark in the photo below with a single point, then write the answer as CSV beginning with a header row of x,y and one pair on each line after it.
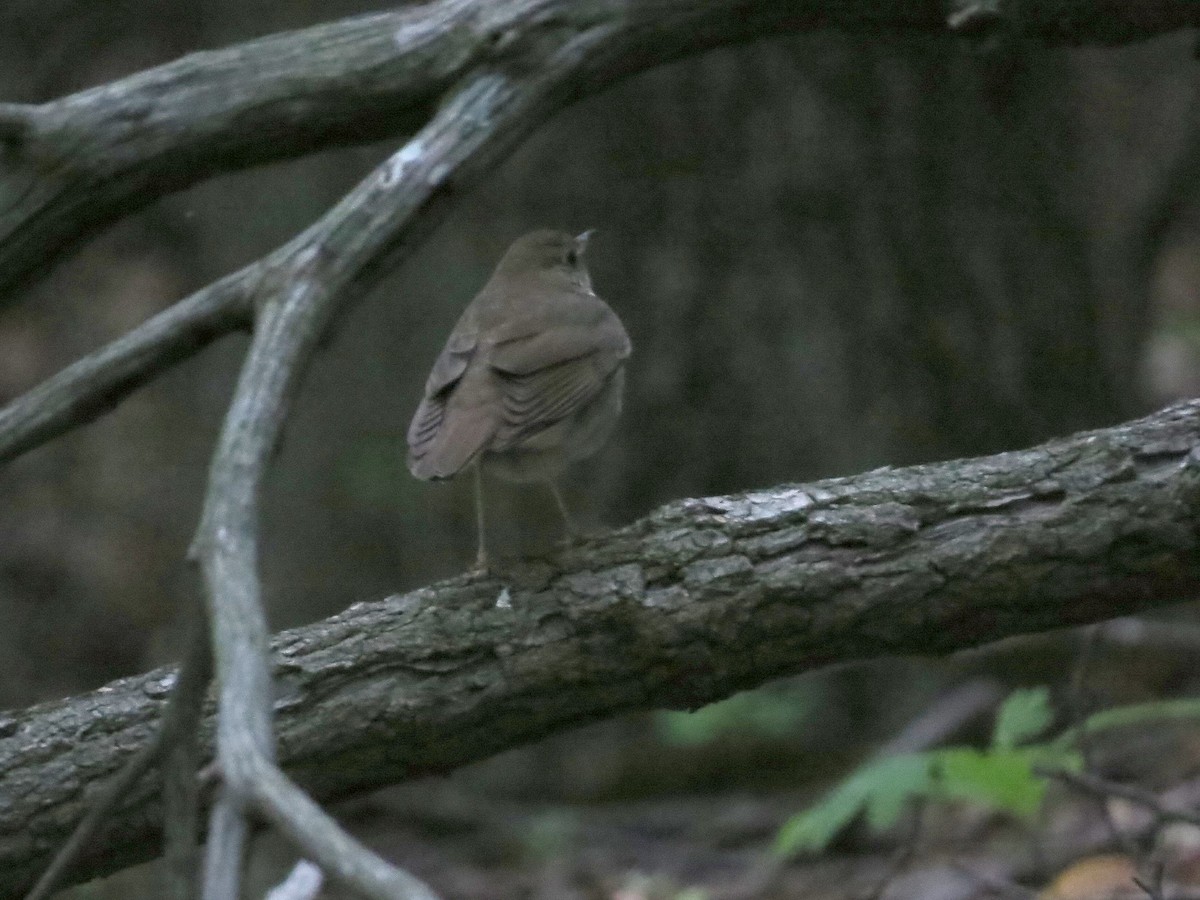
x,y
702,598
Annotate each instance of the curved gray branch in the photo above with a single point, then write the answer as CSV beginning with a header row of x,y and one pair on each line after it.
x,y
76,163
314,279
699,599
94,384
324,262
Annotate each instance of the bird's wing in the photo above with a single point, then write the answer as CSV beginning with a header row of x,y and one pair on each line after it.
x,y
451,362
422,432
548,375
428,441
526,376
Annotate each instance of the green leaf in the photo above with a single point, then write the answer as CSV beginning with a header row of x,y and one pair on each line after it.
x,y
1022,717
880,789
1002,779
894,782
811,830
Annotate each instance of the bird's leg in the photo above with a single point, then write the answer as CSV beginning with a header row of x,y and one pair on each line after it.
x,y
574,535
481,556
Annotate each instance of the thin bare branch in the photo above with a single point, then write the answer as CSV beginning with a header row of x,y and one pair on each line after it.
x,y
1152,885
949,713
96,383
298,816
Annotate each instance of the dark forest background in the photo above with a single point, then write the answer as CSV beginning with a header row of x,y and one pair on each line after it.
x,y
832,251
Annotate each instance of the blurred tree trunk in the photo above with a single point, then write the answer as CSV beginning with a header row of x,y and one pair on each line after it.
x,y
965,273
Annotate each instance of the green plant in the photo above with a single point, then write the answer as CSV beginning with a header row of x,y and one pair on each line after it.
x,y
1010,775
1004,776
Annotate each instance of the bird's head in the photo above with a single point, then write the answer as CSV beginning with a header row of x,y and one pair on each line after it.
x,y
549,253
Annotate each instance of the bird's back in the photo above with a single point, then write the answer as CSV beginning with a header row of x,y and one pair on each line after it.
x,y
528,352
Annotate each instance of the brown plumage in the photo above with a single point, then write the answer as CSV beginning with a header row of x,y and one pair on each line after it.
x,y
531,377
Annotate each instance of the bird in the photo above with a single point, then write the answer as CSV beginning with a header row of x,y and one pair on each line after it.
x,y
530,379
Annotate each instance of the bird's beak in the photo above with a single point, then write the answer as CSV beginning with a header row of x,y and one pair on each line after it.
x,y
581,240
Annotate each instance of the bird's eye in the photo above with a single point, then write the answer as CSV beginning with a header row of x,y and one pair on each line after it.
x,y
572,257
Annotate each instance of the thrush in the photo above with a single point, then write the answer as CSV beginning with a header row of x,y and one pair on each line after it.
x,y
530,379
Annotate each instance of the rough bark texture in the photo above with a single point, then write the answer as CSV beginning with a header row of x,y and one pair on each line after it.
x,y
72,164
700,599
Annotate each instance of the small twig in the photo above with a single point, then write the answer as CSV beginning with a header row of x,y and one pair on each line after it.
x,y
1150,634
974,16
179,716
303,883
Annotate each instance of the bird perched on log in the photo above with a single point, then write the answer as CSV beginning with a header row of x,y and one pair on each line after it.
x,y
530,379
